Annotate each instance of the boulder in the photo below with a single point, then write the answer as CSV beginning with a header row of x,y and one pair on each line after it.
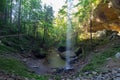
x,y
62,49
78,51
63,54
117,55
73,54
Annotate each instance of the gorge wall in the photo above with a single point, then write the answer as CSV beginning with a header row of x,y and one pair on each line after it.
x,y
106,16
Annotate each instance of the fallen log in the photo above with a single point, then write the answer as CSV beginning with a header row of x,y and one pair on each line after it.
x,y
12,35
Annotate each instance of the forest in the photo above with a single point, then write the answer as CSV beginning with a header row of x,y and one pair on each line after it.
x,y
79,42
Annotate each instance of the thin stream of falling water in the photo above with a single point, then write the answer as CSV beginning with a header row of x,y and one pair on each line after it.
x,y
68,34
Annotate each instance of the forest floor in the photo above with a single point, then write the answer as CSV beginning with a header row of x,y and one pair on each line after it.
x,y
111,62
41,67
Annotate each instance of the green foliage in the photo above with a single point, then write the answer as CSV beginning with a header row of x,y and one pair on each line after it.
x,y
27,19
12,65
100,41
32,8
5,49
2,7
2,3
63,11
99,59
85,8
59,29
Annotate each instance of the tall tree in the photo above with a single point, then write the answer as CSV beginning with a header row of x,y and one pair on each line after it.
x,y
2,11
11,5
19,18
48,21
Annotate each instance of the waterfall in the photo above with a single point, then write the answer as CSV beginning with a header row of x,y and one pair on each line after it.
x,y
68,35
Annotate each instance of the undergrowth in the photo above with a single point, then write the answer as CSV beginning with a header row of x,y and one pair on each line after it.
x,y
99,59
12,65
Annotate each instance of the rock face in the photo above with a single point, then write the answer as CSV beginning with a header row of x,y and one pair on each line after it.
x,y
106,16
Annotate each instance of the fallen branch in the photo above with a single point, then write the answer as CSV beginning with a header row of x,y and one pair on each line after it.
x,y
12,35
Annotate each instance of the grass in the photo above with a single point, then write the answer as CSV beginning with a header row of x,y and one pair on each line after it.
x,y
4,48
12,65
99,59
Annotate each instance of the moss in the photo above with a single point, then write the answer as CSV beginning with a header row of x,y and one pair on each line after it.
x,y
99,59
12,65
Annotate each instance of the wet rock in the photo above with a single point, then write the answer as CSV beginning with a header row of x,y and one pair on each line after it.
x,y
73,54
68,70
107,76
114,71
100,77
24,60
57,70
62,49
108,58
63,55
116,78
94,73
35,66
87,73
77,79
118,75
112,74
119,70
78,51
68,79
117,55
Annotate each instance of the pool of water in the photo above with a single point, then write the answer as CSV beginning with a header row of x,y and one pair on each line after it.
x,y
54,60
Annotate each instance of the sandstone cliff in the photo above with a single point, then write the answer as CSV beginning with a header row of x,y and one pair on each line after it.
x,y
107,16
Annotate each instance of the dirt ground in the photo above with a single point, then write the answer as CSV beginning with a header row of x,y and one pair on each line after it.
x,y
78,65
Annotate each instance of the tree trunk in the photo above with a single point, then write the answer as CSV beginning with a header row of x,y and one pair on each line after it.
x,y
91,31
5,12
19,18
44,35
11,11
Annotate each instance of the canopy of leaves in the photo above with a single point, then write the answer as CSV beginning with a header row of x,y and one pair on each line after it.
x,y
85,8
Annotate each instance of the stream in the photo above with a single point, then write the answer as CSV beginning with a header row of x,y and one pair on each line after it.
x,y
49,64
46,65
55,60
